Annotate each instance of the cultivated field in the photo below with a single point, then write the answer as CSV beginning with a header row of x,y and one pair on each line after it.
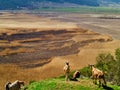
x,y
35,46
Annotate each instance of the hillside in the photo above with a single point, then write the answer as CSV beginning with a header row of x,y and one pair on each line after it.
x,y
32,4
60,84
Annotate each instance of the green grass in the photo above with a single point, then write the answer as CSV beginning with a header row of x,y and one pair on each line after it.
x,y
60,84
83,9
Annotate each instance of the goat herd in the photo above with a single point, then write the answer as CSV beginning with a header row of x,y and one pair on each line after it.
x,y
96,75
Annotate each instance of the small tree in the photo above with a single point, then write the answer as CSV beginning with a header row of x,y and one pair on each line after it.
x,y
117,67
111,66
106,63
86,71
117,53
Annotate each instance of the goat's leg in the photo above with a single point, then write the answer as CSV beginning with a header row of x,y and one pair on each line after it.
x,y
67,77
95,81
99,82
104,81
93,78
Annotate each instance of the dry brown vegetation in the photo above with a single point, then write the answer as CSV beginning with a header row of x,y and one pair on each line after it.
x,y
36,47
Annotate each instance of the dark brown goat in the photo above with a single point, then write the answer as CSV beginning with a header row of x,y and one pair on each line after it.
x,y
14,86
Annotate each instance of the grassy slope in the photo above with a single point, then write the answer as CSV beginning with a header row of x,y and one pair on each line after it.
x,y
84,9
60,84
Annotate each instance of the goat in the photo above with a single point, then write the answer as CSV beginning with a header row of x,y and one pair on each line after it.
x,y
76,75
97,75
14,86
67,71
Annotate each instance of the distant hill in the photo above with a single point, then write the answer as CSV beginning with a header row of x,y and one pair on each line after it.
x,y
31,4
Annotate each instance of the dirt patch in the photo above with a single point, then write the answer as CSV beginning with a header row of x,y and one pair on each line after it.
x,y
48,44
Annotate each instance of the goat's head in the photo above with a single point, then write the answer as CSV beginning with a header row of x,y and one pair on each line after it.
x,y
91,66
67,63
20,83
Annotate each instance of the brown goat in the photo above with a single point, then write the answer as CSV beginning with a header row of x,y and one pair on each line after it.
x,y
97,75
14,86
67,71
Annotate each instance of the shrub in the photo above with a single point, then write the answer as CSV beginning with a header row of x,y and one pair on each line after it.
x,y
32,81
86,71
117,67
110,65
117,54
106,63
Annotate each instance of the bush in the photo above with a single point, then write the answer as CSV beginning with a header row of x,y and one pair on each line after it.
x,y
106,63
86,71
32,81
117,54
110,65
117,67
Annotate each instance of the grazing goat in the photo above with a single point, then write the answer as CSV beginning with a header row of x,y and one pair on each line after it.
x,y
76,75
14,86
97,75
67,71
